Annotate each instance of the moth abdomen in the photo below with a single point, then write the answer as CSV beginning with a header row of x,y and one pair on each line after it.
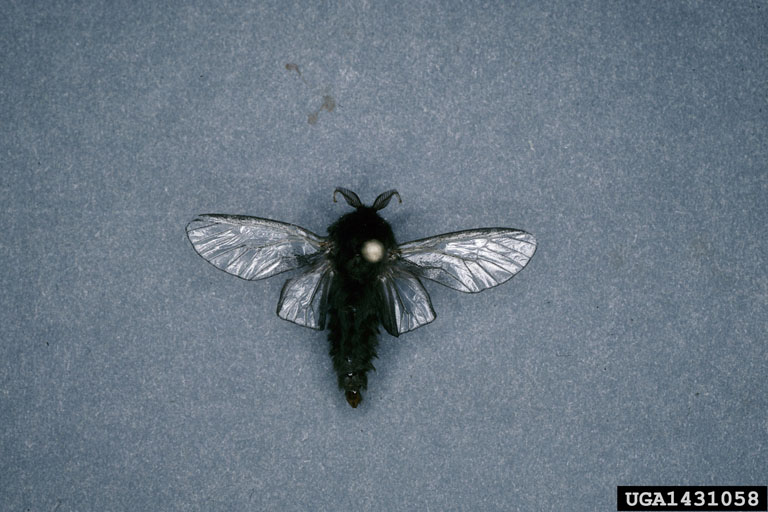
x,y
353,335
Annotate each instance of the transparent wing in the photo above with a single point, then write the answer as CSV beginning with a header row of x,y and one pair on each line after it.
x,y
250,247
304,298
470,261
406,303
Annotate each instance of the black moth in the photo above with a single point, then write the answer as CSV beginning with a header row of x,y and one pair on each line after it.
x,y
358,277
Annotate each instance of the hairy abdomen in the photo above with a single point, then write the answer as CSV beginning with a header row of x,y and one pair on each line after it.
x,y
353,325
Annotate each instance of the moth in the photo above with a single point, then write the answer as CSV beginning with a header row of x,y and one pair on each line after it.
x,y
358,277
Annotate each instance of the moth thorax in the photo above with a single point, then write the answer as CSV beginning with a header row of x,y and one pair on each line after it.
x,y
373,251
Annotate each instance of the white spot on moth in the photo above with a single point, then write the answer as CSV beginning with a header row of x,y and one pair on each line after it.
x,y
373,251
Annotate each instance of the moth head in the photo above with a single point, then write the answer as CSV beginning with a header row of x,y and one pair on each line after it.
x,y
363,240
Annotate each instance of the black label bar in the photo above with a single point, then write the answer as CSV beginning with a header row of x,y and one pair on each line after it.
x,y
633,497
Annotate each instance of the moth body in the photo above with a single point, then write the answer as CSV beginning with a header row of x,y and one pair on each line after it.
x,y
360,241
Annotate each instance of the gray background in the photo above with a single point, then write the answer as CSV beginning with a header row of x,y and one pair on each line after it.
x,y
630,138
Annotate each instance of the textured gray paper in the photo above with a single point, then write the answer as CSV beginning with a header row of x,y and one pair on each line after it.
x,y
628,137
